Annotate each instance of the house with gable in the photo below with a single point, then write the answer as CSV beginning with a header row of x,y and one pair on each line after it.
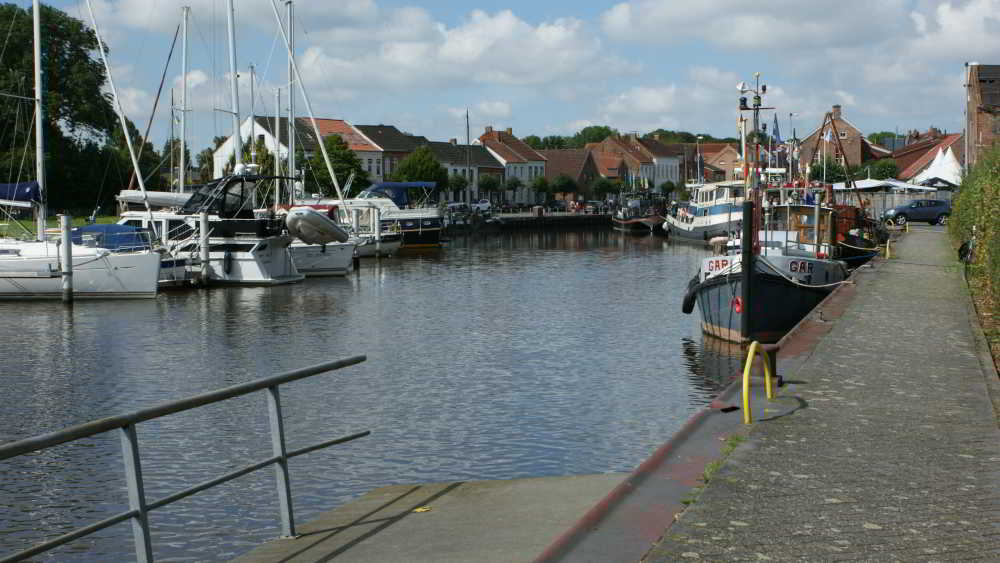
x,y
639,173
578,164
857,148
394,144
519,160
471,162
667,159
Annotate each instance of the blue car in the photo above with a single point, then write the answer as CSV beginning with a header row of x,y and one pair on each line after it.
x,y
933,211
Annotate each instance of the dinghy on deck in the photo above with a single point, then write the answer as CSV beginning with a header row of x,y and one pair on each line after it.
x,y
312,227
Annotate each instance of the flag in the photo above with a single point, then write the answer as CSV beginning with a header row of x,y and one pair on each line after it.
x,y
777,135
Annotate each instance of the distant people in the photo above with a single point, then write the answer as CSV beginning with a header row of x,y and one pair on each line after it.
x,y
810,199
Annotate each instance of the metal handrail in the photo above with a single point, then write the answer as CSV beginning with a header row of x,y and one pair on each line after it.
x,y
138,506
754,347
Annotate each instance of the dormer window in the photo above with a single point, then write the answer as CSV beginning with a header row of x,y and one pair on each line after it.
x,y
843,134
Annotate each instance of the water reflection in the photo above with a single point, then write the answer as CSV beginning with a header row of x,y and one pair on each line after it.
x,y
498,357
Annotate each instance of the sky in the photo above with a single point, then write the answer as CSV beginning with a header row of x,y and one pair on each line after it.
x,y
556,66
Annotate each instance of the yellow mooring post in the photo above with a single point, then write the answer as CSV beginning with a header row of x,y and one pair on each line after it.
x,y
747,415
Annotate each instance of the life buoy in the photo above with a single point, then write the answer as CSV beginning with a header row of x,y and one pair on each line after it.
x,y
737,304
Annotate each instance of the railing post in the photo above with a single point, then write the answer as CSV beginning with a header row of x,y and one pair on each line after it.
x,y
280,468
136,494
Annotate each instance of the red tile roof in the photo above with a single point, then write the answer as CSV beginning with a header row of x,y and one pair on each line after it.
x,y
609,165
509,147
565,161
354,139
924,160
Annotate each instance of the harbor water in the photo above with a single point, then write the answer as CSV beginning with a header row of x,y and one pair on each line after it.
x,y
508,356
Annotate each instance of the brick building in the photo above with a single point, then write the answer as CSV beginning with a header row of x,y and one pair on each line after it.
x,y
982,113
857,148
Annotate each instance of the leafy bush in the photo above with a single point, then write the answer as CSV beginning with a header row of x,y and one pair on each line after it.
x,y
977,203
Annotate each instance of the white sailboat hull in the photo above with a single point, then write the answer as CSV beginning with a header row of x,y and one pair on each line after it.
x,y
34,273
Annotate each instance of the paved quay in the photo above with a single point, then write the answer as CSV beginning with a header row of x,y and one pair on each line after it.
x,y
896,456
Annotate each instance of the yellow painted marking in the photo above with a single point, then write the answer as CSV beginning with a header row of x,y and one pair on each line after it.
x,y
422,509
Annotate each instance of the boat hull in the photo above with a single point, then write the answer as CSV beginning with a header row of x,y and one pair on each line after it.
x,y
335,259
263,262
777,303
367,246
676,228
117,276
646,224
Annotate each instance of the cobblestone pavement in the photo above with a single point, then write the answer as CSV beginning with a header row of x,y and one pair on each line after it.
x,y
896,457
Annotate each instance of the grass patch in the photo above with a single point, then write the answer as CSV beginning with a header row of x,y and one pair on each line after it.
x,y
728,446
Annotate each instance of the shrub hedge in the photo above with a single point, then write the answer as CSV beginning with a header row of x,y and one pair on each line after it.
x,y
977,203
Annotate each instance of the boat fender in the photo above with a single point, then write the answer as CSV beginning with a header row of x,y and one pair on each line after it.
x,y
689,298
227,262
704,235
322,249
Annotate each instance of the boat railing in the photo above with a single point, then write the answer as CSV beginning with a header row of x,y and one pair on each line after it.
x,y
125,426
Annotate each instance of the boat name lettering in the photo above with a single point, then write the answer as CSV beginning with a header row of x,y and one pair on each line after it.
x,y
801,266
715,265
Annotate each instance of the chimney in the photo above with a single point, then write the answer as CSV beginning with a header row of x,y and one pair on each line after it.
x,y
453,141
510,130
836,111
489,128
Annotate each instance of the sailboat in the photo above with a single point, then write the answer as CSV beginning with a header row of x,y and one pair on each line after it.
x,y
33,269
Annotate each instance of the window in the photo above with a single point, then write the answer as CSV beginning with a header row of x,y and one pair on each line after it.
x,y
843,134
369,165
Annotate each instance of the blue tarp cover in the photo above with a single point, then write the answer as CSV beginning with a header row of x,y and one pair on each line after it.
x,y
113,236
22,191
398,192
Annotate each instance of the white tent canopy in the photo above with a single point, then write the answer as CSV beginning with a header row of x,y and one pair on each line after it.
x,y
887,184
945,167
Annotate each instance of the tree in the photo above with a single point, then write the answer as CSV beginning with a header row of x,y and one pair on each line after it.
x,y
603,187
533,141
881,138
564,184
541,186
489,183
591,134
667,187
343,160
554,142
421,166
884,168
457,184
204,162
82,170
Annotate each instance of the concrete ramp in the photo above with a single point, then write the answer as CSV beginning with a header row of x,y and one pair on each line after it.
x,y
484,521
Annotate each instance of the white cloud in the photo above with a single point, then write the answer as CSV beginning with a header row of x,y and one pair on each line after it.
x,y
493,108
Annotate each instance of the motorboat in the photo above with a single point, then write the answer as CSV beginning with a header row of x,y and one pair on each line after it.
x,y
639,213
242,248
713,211
324,247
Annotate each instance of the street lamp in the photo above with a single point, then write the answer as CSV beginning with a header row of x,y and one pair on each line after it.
x,y
697,149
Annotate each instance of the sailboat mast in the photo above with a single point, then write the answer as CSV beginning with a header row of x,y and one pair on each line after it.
x,y
234,89
39,121
121,117
291,102
277,147
468,160
185,11
253,121
305,98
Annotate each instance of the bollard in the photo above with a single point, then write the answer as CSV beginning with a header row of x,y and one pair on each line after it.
x,y
377,221
203,232
66,266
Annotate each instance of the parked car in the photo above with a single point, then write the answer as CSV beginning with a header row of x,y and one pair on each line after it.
x,y
558,205
457,206
482,205
593,207
934,211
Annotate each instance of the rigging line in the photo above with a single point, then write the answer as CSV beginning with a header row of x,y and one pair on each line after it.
x,y
156,103
10,31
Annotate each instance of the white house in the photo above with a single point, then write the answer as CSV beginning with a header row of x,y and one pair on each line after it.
x,y
519,161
